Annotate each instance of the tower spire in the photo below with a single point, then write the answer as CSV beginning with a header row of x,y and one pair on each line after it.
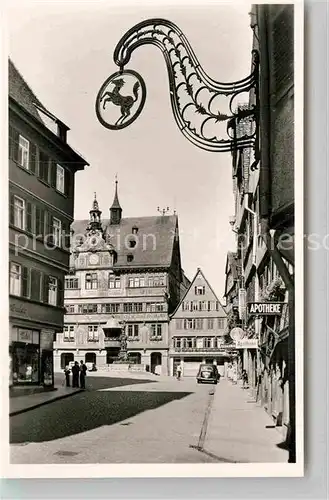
x,y
115,210
95,215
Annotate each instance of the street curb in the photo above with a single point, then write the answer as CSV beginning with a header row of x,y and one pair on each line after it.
x,y
24,410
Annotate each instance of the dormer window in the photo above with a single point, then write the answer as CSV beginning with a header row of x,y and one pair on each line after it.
x,y
134,230
130,258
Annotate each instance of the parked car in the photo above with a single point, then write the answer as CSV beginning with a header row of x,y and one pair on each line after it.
x,y
207,374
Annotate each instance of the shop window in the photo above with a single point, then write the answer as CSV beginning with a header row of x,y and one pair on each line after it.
x,y
25,363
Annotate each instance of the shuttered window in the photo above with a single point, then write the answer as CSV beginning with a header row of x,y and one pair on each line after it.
x,y
25,282
44,167
29,217
39,222
35,285
45,286
33,160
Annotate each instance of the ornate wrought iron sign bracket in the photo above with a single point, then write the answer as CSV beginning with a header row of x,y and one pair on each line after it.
x,y
218,117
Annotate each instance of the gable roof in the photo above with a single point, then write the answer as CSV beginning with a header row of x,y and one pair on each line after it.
x,y
199,273
23,96
155,239
20,91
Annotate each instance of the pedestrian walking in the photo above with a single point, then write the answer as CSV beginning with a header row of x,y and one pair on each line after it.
x,y
179,372
75,374
67,372
244,379
83,372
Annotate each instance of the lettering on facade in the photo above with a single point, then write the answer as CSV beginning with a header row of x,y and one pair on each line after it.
x,y
17,308
265,308
25,336
247,344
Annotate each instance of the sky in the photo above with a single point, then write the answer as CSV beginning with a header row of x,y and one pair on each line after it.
x,y
64,50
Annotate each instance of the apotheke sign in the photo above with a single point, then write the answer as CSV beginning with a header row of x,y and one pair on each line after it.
x,y
265,308
246,344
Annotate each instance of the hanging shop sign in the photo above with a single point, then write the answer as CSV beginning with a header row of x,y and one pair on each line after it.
x,y
265,308
246,344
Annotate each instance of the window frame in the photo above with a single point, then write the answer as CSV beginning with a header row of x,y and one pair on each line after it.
x,y
20,281
22,210
52,290
61,177
93,333
57,231
21,150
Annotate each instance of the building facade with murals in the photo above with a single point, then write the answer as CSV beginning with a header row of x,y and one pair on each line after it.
x,y
125,280
198,330
42,167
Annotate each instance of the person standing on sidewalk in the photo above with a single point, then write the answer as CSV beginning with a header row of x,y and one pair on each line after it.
x,y
75,374
67,372
83,371
244,379
179,372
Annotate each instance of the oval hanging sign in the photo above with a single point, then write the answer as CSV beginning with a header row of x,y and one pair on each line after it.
x,y
121,99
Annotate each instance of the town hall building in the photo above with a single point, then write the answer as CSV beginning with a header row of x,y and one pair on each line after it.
x,y
125,279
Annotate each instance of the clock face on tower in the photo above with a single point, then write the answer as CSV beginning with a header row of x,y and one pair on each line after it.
x,y
93,259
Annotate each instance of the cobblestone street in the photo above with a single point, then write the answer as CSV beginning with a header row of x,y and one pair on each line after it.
x,y
141,420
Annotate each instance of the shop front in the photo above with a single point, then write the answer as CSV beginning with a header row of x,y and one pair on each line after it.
x,y
31,357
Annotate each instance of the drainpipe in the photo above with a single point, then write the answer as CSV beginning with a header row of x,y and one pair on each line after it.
x,y
264,205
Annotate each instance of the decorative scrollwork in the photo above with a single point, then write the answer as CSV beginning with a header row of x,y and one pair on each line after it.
x,y
197,99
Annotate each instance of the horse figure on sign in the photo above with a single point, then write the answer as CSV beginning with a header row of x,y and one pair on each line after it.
x,y
125,102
